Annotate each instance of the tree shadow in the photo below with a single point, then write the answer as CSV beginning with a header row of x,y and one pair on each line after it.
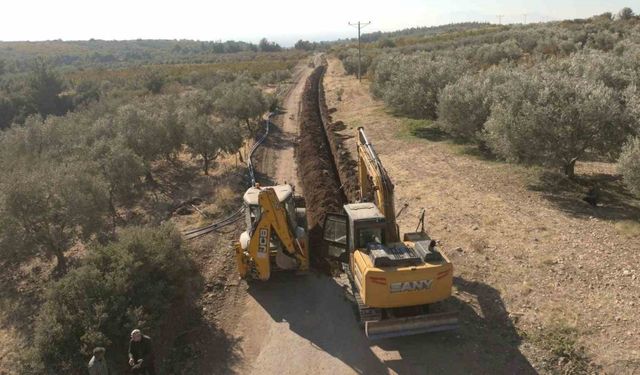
x,y
315,308
191,339
158,206
614,201
430,133
21,295
201,346
277,139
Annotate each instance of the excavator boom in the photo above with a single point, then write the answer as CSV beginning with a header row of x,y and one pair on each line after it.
x,y
375,184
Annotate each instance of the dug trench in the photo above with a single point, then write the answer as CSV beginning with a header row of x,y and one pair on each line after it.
x,y
326,171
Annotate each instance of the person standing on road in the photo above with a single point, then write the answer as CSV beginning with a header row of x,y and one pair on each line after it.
x,y
141,354
97,364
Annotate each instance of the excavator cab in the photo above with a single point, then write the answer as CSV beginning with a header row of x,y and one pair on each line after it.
x,y
394,283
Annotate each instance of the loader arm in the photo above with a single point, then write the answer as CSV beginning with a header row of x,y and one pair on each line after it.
x,y
375,184
273,220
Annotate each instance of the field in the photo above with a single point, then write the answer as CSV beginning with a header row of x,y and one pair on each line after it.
x,y
538,266
521,143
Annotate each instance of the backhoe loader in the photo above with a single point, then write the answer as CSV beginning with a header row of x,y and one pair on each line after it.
x,y
276,235
393,282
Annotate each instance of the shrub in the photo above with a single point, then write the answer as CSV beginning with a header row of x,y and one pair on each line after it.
x,y
275,77
603,40
154,81
629,165
129,283
350,61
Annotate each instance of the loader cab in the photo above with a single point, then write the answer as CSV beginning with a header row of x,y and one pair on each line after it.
x,y
361,227
252,208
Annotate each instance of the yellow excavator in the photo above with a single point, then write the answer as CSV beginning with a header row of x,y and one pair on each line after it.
x,y
276,235
393,282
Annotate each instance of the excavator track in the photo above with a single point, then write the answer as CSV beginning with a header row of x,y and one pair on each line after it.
x,y
365,313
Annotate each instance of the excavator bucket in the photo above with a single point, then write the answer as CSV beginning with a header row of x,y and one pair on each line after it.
x,y
412,325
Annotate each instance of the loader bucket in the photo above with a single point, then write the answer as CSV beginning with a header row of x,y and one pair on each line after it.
x,y
412,325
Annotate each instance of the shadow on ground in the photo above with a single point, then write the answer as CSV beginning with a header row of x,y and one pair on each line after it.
x,y
614,201
430,133
276,139
316,308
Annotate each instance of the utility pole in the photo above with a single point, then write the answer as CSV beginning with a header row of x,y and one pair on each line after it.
x,y
525,18
360,25
500,19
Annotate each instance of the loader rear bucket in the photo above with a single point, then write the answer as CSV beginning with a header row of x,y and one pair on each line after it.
x,y
412,325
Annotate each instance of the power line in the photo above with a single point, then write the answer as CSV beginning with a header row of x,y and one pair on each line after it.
x,y
500,18
360,25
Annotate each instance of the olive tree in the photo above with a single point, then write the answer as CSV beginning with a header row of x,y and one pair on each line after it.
x,y
413,88
56,204
381,71
464,106
625,13
552,120
629,165
122,170
208,136
350,61
44,89
490,54
151,129
240,99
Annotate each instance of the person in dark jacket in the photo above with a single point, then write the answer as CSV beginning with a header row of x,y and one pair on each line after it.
x,y
141,354
97,364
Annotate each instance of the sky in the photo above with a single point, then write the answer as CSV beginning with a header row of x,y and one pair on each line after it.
x,y
283,21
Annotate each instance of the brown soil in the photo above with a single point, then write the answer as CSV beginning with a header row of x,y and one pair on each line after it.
x,y
316,168
344,161
532,260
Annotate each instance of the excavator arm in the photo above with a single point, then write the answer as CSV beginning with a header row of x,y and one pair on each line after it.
x,y
273,221
375,184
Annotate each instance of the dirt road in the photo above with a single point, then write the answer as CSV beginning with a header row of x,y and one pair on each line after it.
x,y
301,324
293,324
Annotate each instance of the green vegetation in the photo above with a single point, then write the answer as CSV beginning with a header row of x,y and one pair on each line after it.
x,y
93,140
630,164
568,357
130,283
545,94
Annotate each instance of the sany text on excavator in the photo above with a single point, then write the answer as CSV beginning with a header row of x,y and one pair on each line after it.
x,y
276,235
394,282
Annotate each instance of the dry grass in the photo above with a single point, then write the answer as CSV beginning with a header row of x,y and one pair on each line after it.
x,y
524,230
628,228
